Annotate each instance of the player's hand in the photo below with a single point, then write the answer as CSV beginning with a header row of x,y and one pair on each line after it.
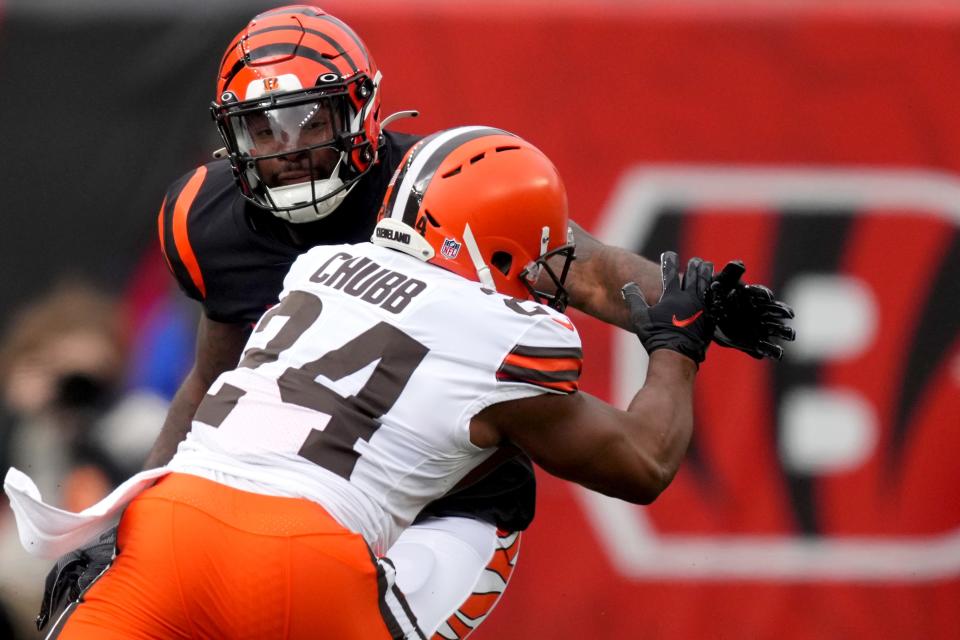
x,y
677,322
748,316
73,573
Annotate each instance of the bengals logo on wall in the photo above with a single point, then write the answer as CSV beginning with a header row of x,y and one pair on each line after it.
x,y
840,462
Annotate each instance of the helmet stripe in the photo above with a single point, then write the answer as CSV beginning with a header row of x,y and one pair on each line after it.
x,y
230,49
397,179
328,39
423,164
336,45
236,50
287,48
246,33
301,10
280,49
348,31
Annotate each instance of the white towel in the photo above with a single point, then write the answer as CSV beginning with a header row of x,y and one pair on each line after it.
x,y
49,532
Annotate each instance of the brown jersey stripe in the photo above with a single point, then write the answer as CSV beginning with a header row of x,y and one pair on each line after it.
x,y
544,364
547,352
555,368
509,372
565,386
163,238
181,237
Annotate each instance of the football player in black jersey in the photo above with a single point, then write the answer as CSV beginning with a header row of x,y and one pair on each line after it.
x,y
306,162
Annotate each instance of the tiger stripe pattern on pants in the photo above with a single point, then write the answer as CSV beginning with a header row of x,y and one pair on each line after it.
x,y
487,594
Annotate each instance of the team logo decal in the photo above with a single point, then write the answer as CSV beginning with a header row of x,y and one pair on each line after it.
x,y
450,249
849,436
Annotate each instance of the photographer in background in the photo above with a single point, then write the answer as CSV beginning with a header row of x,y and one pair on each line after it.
x,y
61,367
66,415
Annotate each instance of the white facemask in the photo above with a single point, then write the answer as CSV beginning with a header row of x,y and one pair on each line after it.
x,y
304,193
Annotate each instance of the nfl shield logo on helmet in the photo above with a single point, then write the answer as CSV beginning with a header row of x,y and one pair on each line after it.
x,y
450,249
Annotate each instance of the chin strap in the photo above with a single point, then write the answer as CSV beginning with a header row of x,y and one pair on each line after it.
x,y
285,199
483,271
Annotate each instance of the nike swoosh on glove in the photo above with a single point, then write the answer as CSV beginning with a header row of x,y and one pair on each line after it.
x,y
677,321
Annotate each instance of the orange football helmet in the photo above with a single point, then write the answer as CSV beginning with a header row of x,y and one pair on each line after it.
x,y
485,204
298,106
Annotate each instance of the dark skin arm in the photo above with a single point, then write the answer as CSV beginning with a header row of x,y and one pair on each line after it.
x,y
632,455
598,273
219,346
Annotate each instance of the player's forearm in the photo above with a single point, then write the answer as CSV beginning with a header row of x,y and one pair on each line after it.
x,y
632,455
177,423
663,413
599,272
218,349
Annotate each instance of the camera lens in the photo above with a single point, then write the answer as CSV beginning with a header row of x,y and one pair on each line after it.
x,y
80,391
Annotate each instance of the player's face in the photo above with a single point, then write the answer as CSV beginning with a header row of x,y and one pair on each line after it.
x,y
298,134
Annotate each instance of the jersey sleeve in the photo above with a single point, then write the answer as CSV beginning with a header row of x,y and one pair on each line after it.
x,y
174,233
547,358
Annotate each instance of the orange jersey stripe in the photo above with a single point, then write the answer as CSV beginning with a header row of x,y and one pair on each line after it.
x,y
566,386
555,368
181,238
544,364
163,243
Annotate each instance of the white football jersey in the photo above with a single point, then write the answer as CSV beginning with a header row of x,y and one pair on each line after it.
x,y
357,389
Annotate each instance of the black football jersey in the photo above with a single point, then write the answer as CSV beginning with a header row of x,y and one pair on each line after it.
x,y
232,256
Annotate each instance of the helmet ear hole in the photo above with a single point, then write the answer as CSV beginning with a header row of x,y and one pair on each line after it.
x,y
502,261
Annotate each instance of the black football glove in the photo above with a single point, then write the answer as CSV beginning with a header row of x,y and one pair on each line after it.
x,y
73,573
677,322
748,316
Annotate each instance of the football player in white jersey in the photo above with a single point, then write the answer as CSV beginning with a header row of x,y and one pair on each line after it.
x,y
387,374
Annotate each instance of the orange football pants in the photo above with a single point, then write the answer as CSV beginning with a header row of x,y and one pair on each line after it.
x,y
199,559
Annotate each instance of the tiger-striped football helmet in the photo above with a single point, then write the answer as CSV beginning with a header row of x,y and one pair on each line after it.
x,y
298,106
